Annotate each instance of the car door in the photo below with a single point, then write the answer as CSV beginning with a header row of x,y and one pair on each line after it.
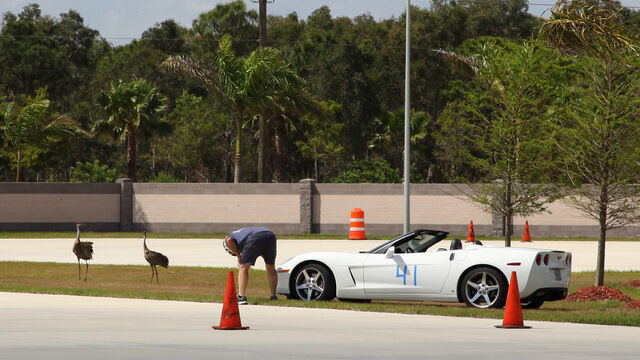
x,y
406,276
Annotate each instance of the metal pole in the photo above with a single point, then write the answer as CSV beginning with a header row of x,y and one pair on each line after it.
x,y
407,123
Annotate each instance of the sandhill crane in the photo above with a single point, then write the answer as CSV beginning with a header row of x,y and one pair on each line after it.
x,y
83,250
154,258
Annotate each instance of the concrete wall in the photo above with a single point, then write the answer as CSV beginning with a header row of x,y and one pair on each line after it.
x,y
439,206
286,208
215,207
59,206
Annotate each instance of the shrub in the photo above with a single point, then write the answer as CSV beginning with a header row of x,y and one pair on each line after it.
x,y
163,177
368,171
92,173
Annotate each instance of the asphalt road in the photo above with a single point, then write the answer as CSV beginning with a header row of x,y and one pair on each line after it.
x,y
620,255
84,328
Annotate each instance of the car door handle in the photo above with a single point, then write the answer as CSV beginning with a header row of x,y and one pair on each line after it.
x,y
452,256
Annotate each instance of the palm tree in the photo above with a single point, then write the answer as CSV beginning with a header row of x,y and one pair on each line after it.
x,y
258,84
133,109
292,99
227,77
285,96
33,124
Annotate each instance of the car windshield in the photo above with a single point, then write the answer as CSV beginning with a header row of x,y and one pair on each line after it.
x,y
420,243
415,241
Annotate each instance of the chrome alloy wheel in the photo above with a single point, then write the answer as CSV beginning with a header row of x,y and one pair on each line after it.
x,y
482,289
310,284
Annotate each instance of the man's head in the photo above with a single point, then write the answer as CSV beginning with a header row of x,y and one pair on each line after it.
x,y
226,247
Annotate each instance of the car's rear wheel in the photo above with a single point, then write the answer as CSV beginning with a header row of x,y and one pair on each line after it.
x,y
484,288
534,303
313,282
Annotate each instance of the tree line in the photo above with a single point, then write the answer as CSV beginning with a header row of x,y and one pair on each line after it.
x,y
352,70
346,125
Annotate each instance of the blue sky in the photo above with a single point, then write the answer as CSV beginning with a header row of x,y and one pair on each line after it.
x,y
120,21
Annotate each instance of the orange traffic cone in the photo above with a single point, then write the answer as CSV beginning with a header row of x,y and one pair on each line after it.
x,y
230,319
513,310
471,237
526,237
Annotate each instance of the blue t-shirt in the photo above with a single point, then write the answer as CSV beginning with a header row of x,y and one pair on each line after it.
x,y
240,236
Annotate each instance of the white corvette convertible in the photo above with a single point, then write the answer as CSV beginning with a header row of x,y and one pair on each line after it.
x,y
416,266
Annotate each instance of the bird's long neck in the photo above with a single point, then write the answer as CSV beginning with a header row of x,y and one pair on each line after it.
x,y
144,242
77,233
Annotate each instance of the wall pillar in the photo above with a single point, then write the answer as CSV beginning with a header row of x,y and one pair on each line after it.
x,y
306,205
126,204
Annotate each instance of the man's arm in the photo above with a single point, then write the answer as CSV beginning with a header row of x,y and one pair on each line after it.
x,y
231,244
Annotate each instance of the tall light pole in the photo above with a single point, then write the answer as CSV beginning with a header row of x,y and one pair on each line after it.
x,y
407,122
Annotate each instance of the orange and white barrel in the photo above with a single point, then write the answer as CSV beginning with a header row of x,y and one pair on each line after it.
x,y
356,225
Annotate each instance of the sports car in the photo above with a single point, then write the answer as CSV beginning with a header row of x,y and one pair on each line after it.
x,y
416,266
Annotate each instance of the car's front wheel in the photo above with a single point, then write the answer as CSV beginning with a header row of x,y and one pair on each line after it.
x,y
313,282
484,288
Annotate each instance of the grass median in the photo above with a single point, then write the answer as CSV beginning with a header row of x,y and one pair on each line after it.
x,y
208,285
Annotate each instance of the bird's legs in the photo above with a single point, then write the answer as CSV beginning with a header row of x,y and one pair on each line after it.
x,y
86,271
152,273
157,281
78,268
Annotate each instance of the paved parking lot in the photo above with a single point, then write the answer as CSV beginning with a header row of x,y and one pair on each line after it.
x,y
621,255
34,327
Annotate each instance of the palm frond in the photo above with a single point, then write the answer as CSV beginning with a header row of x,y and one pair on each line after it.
x,y
191,68
589,26
466,65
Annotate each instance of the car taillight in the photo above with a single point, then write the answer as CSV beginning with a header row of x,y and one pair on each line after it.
x,y
538,259
546,259
568,260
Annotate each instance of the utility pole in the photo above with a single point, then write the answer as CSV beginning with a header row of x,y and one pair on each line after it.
x,y
262,26
262,4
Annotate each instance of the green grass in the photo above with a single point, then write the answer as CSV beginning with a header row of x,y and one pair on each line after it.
x,y
209,284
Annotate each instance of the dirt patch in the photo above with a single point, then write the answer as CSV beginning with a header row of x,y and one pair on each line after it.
x,y
597,293
634,283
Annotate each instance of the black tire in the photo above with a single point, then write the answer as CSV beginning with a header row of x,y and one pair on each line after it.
x,y
484,288
534,303
313,282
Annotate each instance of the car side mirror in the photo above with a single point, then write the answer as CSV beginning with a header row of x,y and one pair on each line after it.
x,y
391,252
